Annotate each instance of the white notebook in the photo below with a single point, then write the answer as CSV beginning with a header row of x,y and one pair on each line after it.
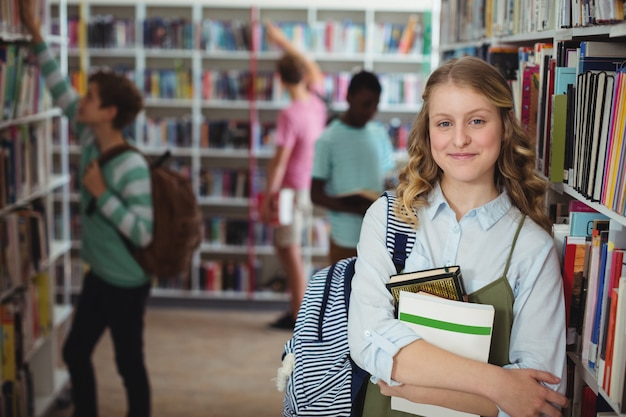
x,y
456,326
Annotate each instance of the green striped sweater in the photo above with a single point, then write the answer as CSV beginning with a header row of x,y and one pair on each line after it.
x,y
126,206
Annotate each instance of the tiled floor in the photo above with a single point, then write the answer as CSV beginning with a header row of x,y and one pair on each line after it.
x,y
202,362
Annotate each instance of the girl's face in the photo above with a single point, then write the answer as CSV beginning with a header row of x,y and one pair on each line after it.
x,y
465,135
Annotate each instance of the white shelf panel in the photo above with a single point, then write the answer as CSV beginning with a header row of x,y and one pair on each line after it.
x,y
223,153
110,52
43,404
62,313
169,53
168,103
226,55
33,118
562,188
223,249
224,201
268,250
36,348
57,249
589,377
226,104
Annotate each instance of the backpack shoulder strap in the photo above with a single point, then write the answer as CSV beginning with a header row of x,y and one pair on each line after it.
x,y
400,235
508,261
115,151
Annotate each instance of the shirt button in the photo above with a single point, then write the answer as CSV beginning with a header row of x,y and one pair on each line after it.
x,y
368,334
455,229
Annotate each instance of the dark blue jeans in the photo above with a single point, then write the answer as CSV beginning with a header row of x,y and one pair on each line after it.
x,y
122,310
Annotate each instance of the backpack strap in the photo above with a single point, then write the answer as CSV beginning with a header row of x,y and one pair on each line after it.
x,y
400,235
508,261
102,161
118,150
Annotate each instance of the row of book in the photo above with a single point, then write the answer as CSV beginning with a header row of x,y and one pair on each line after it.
x,y
594,276
23,247
224,182
330,36
105,31
397,88
168,83
18,321
173,132
109,31
23,162
22,92
569,98
235,85
225,275
463,21
316,235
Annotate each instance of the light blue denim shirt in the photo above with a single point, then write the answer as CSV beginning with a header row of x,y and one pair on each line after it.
x,y
480,243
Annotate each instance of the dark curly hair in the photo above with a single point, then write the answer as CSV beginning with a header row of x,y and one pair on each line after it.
x,y
118,91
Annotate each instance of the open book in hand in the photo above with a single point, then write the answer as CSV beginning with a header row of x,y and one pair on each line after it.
x,y
446,282
459,327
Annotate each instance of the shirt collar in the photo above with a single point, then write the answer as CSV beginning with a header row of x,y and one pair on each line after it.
x,y
487,215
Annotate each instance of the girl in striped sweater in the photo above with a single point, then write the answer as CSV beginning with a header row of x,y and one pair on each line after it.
x,y
115,288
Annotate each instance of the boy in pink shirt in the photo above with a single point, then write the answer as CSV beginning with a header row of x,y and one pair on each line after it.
x,y
298,126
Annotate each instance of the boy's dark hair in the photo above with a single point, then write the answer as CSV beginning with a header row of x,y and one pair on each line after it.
x,y
364,80
290,68
117,90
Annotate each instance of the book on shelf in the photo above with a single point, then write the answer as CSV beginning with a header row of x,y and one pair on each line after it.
x,y
583,219
600,56
557,147
573,285
617,369
613,272
600,239
456,326
612,194
446,282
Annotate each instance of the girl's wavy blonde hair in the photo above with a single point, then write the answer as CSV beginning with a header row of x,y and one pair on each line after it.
x,y
515,167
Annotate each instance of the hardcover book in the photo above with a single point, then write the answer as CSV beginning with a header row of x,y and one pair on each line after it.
x,y
446,282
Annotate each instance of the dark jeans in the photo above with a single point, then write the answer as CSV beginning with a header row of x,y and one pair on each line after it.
x,y
122,310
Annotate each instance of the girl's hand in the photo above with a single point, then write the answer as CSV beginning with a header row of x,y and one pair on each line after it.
x,y
521,394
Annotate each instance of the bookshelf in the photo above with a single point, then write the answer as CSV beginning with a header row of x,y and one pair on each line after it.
x,y
34,214
562,153
212,98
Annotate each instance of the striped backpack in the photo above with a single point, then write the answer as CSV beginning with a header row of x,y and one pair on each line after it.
x,y
318,376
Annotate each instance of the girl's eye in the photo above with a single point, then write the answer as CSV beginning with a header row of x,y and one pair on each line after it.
x,y
477,121
444,124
